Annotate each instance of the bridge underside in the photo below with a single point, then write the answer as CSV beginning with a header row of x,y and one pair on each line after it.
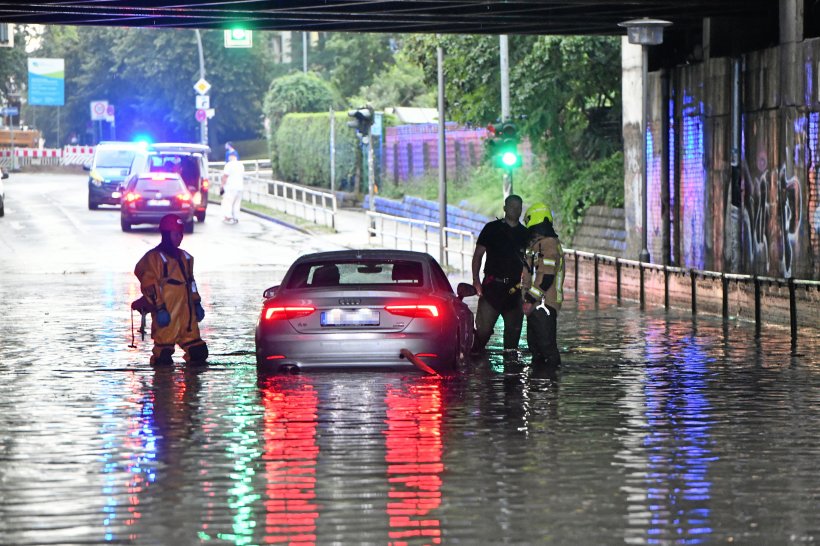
x,y
406,16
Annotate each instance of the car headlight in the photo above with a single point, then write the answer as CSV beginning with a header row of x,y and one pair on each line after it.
x,y
96,178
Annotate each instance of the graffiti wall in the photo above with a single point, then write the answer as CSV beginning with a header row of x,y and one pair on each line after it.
x,y
776,227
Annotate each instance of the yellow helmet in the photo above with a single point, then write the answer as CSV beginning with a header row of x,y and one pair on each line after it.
x,y
536,214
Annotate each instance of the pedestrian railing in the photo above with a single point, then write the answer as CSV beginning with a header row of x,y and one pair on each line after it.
x,y
313,205
256,165
422,235
733,296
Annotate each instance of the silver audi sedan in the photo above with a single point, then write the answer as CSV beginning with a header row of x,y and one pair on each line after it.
x,y
364,309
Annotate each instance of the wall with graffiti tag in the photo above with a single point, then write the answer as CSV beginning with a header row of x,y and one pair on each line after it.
x,y
756,212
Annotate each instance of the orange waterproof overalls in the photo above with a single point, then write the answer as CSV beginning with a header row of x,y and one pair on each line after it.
x,y
169,282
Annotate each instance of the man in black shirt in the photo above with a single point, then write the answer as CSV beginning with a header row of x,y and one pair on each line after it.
x,y
503,241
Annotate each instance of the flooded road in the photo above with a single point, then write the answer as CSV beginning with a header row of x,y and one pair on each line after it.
x,y
657,430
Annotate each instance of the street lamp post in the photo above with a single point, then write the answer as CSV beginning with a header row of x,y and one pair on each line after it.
x,y
645,32
203,125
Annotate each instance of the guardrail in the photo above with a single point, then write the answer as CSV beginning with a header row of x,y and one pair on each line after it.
x,y
729,295
314,205
423,234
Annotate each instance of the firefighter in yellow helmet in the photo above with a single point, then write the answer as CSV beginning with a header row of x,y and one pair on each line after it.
x,y
166,275
542,285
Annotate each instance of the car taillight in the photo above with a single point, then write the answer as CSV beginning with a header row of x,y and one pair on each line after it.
x,y
205,184
131,196
415,311
287,312
184,197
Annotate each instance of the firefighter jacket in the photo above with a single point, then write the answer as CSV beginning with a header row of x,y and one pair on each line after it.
x,y
543,278
168,282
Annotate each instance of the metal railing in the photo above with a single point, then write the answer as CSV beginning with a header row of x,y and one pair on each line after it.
x,y
310,204
729,295
412,234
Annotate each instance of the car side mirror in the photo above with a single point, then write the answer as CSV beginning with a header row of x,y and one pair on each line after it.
x,y
5,174
465,290
86,166
270,292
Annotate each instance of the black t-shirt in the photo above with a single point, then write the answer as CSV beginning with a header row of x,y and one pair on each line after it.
x,y
505,248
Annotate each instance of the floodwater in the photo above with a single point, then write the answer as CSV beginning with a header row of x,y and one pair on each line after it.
x,y
657,430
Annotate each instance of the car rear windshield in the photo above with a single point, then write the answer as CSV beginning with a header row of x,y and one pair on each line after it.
x,y
167,186
114,158
187,166
358,273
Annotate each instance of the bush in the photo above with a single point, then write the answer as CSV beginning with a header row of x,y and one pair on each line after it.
x,y
302,144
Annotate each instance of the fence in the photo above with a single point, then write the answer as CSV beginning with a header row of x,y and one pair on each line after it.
x,y
310,204
422,235
732,296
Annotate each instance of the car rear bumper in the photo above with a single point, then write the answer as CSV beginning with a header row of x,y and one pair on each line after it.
x,y
353,350
154,217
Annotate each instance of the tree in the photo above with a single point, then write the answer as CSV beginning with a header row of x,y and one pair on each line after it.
x,y
357,58
148,75
399,84
296,92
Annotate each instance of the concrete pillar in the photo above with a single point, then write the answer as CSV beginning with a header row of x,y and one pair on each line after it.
x,y
632,93
791,21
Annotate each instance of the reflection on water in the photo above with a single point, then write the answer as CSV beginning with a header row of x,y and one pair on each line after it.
x,y
290,459
667,447
657,430
414,467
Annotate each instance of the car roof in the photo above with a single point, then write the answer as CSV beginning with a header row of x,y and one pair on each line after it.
x,y
179,147
122,145
366,254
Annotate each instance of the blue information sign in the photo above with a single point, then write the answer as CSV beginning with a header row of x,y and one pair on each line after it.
x,y
46,82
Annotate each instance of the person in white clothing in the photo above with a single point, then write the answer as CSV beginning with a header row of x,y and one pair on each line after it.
x,y
233,181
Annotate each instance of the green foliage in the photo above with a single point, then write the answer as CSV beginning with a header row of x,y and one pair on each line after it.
x,y
399,84
148,75
302,144
296,92
600,183
13,64
355,59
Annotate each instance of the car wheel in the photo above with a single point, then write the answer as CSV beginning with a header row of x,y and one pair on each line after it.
x,y
125,225
92,205
200,216
189,227
2,208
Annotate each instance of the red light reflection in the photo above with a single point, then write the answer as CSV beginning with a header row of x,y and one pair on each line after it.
x,y
414,467
290,462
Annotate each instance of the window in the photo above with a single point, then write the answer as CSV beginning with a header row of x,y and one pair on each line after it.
x,y
358,273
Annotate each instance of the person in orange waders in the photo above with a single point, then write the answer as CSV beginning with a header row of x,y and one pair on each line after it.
x,y
166,275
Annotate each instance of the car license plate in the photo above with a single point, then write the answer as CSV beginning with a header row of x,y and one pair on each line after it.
x,y
350,317
159,202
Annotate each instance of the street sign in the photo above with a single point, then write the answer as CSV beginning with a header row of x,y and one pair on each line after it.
x,y
201,115
46,82
238,37
202,86
203,102
9,111
211,112
99,108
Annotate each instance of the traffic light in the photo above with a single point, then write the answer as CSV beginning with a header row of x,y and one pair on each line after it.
x,y
501,145
507,155
238,37
362,121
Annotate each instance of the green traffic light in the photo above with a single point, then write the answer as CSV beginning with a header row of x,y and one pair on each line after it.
x,y
238,33
509,159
